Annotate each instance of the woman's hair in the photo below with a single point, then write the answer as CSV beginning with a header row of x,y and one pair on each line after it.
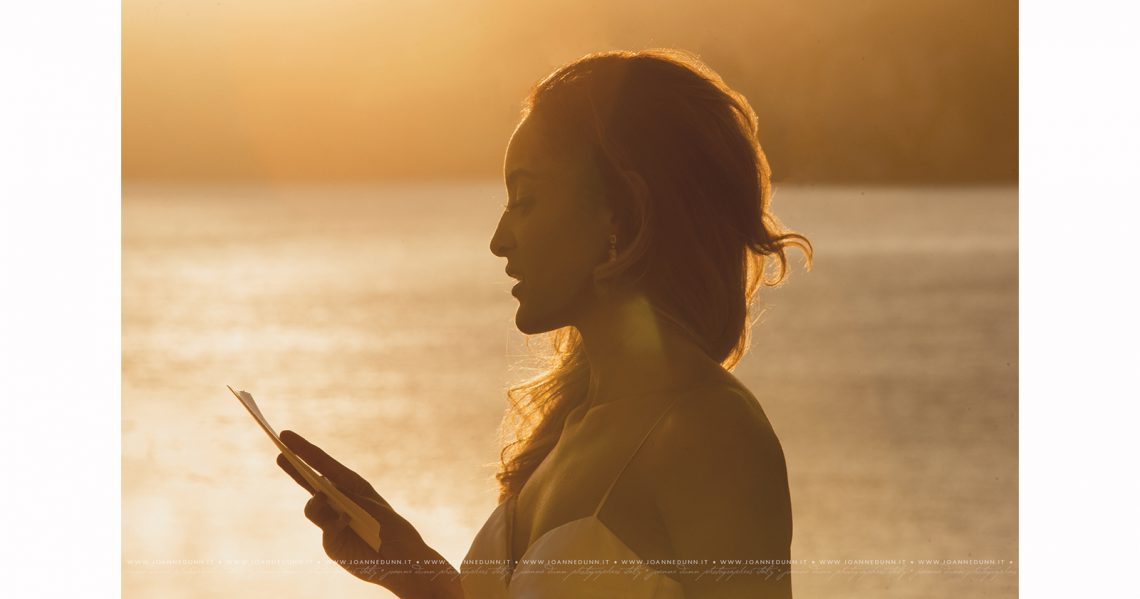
x,y
690,188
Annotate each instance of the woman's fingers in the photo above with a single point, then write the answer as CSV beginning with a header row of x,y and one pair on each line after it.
x,y
322,462
320,512
283,462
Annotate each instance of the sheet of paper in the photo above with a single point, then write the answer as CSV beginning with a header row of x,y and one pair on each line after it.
x,y
360,521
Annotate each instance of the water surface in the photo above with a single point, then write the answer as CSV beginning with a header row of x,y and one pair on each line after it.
x,y
375,321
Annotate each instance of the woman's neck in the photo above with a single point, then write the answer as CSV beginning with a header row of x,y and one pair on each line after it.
x,y
634,350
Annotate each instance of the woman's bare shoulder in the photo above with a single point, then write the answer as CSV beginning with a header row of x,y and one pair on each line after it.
x,y
721,421
719,478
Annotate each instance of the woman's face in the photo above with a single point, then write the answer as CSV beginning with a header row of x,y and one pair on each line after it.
x,y
554,231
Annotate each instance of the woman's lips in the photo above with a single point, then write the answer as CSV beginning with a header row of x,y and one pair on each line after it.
x,y
515,289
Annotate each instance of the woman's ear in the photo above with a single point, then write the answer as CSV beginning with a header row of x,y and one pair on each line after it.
x,y
638,188
634,206
637,185
637,196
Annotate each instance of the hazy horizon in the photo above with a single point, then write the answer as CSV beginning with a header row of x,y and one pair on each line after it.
x,y
888,91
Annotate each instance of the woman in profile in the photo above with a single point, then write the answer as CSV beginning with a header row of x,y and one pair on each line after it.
x,y
638,225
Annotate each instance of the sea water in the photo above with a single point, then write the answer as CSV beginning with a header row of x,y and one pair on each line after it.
x,y
374,320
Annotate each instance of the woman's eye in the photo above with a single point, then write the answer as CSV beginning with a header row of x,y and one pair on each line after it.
x,y
523,203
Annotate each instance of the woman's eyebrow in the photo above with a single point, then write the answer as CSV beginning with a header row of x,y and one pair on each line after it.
x,y
518,173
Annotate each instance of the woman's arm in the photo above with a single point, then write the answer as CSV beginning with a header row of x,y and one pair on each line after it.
x,y
721,487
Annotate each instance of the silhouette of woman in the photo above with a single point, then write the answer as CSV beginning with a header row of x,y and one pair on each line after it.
x,y
638,225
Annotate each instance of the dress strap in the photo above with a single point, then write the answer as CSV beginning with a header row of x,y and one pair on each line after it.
x,y
613,483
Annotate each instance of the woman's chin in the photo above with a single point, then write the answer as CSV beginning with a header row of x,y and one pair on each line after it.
x,y
524,324
529,324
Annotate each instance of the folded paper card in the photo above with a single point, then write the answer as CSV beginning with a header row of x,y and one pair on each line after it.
x,y
360,521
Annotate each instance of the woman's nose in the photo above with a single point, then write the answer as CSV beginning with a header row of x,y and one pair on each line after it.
x,y
502,240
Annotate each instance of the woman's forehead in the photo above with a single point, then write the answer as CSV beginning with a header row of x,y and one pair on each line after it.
x,y
527,152
534,154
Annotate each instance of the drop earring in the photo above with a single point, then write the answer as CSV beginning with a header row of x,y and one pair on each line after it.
x,y
613,247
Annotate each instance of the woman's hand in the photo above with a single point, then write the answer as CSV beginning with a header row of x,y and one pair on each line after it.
x,y
424,572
